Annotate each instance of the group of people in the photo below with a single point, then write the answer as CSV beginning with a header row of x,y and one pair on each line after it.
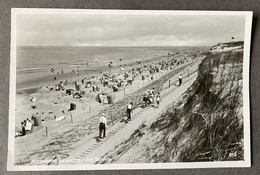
x,y
103,120
150,98
26,126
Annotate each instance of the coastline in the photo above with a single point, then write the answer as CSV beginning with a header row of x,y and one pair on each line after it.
x,y
38,80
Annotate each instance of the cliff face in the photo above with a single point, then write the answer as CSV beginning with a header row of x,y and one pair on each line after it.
x,y
208,124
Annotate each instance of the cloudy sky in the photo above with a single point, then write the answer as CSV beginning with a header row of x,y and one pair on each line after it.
x,y
127,30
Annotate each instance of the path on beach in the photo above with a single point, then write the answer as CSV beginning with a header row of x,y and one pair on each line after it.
x,y
93,149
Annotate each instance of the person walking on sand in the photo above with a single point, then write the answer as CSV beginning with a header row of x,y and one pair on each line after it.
x,y
151,98
102,126
146,97
158,99
129,111
180,79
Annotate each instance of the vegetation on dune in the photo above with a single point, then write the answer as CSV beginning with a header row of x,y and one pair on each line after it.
x,y
208,124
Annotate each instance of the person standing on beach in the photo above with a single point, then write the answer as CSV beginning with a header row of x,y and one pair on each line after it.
x,y
180,79
129,111
102,126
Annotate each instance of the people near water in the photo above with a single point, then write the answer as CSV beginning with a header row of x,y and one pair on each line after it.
x,y
180,79
82,80
66,81
57,87
102,126
129,111
158,99
94,87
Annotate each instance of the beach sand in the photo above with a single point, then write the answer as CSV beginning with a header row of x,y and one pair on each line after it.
x,y
69,133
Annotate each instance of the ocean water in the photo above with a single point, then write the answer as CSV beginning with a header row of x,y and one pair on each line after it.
x,y
34,57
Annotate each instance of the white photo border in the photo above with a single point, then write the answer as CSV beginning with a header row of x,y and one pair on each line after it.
x,y
246,98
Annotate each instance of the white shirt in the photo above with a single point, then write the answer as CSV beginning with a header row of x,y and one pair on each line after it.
x,y
129,106
180,77
102,119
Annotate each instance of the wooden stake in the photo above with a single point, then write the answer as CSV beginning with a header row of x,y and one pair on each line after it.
x,y
56,155
82,104
112,120
46,131
71,118
169,83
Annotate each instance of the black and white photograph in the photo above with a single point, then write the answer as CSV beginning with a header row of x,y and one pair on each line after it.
x,y
129,89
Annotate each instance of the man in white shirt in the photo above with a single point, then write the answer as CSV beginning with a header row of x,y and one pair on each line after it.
x,y
129,110
180,79
102,126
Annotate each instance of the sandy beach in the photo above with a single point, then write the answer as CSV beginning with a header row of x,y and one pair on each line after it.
x,y
76,125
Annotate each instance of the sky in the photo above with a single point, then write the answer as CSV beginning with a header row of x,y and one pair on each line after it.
x,y
127,30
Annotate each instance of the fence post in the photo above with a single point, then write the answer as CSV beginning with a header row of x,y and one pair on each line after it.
x,y
188,72
57,157
169,83
46,131
112,120
82,104
71,118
